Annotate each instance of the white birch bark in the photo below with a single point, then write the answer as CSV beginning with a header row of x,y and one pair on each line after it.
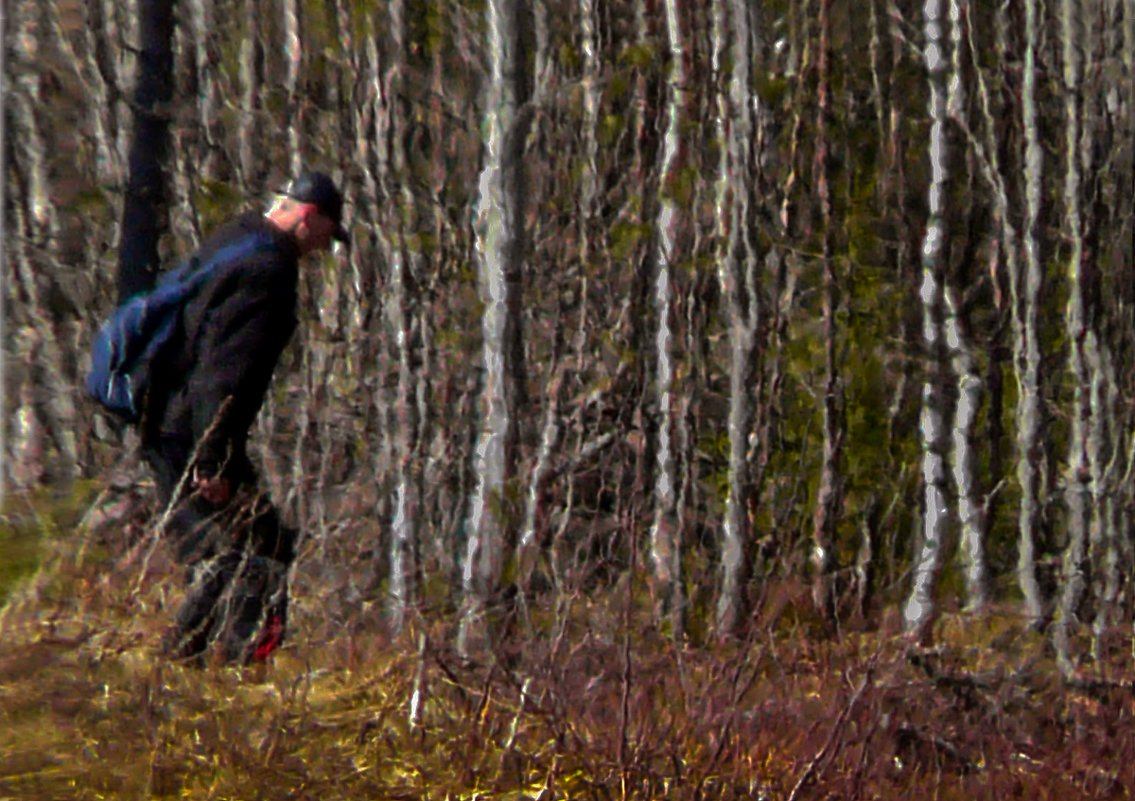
x,y
1107,509
986,149
293,62
24,95
116,63
1078,472
1114,555
589,45
439,538
293,55
406,502
528,544
496,230
738,278
665,549
186,148
1101,556
49,414
251,162
250,79
297,495
101,86
1028,361
404,526
383,185
203,24
920,608
829,492
364,111
354,302
970,509
1094,568
52,411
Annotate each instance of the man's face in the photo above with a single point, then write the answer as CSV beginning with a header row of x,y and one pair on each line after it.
x,y
317,231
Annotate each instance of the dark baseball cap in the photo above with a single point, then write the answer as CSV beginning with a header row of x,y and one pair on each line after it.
x,y
318,189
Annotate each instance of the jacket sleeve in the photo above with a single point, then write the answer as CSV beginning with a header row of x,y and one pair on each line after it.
x,y
241,338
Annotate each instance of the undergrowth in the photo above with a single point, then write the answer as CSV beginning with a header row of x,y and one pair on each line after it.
x,y
584,700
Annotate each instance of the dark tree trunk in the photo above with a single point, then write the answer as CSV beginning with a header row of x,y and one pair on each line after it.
x,y
144,210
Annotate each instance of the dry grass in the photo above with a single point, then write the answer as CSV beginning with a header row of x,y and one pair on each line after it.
x,y
579,705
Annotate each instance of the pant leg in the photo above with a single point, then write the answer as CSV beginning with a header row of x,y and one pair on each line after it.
x,y
238,556
264,532
190,526
200,529
196,620
167,459
237,603
258,604
255,609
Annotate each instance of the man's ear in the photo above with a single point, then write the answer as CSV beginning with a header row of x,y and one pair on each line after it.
x,y
306,212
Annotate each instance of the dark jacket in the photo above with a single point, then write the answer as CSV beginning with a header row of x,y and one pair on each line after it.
x,y
231,336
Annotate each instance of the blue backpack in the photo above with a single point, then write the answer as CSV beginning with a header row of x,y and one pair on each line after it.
x,y
138,330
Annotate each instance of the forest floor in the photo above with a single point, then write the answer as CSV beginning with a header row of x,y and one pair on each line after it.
x,y
588,701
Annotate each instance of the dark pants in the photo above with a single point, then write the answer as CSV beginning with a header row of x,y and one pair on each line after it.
x,y
237,603
237,555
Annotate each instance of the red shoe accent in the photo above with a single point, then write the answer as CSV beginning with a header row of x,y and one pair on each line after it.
x,y
270,638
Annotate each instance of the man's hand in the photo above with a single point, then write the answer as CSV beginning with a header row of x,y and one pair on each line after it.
x,y
214,489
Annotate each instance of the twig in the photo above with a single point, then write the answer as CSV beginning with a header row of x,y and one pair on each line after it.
x,y
586,451
738,690
625,702
1099,689
837,729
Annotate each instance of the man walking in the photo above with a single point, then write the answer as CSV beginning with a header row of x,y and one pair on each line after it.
x,y
202,400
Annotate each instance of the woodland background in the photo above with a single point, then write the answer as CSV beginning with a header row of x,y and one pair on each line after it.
x,y
677,340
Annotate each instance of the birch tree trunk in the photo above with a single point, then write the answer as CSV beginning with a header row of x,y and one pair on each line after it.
x,y
738,277
829,494
105,41
1100,563
203,27
185,149
251,72
1030,449
305,426
1119,220
404,526
589,259
1079,468
499,252
442,536
103,84
971,512
293,54
665,545
964,463
528,544
987,151
44,435
921,606
45,445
